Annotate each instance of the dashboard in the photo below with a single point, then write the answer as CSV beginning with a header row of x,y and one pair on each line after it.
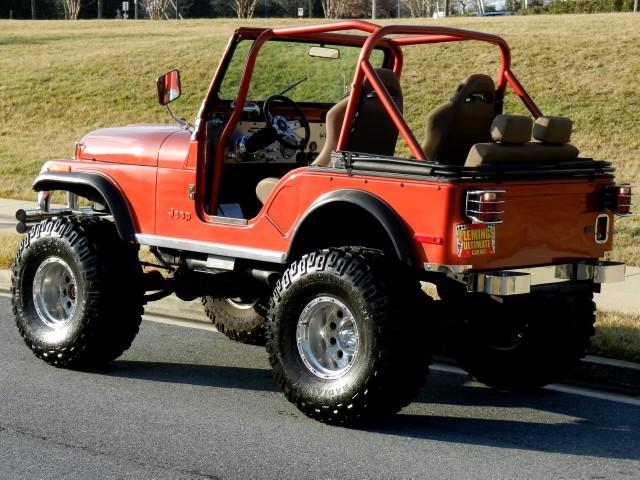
x,y
274,152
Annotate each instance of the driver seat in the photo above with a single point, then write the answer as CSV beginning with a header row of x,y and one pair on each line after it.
x,y
373,130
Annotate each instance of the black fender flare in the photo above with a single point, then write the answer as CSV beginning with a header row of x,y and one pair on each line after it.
x,y
373,205
87,185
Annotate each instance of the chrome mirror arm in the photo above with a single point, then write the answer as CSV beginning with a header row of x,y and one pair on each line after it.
x,y
182,122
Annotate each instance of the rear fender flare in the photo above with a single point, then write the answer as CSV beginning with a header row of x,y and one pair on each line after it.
x,y
371,204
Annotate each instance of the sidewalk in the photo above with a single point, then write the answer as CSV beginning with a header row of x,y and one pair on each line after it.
x,y
8,213
621,297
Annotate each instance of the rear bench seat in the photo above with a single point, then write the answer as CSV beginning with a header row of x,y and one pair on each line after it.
x,y
512,135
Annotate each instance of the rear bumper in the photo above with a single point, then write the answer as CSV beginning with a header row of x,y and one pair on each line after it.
x,y
520,280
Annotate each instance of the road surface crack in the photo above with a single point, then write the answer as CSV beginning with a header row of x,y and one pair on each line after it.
x,y
180,472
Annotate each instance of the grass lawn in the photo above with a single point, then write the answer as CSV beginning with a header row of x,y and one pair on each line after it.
x,y
9,244
617,336
63,79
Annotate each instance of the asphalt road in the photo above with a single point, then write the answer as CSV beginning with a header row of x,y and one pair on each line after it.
x,y
187,403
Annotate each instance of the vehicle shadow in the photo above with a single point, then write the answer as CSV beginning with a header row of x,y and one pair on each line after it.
x,y
452,409
187,374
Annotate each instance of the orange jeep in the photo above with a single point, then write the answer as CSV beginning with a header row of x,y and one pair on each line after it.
x,y
290,212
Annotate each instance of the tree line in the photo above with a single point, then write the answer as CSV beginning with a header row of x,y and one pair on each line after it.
x,y
156,9
86,9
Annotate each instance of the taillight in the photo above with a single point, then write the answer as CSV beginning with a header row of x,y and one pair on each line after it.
x,y
617,199
484,206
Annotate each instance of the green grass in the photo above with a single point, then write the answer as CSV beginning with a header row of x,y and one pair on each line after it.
x,y
9,244
63,79
617,336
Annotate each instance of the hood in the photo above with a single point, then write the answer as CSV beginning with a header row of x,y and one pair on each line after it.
x,y
133,144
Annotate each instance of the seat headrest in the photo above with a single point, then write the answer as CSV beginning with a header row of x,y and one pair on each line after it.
x,y
474,88
556,130
511,129
389,80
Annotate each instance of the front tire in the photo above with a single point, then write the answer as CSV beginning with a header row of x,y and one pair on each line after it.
x,y
76,292
528,342
341,336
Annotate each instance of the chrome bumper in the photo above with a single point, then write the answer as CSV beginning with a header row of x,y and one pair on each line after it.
x,y
520,280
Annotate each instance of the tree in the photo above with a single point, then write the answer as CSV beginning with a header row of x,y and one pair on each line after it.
x,y
420,8
217,8
332,8
156,8
244,8
71,9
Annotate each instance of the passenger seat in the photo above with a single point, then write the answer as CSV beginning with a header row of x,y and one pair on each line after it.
x,y
455,126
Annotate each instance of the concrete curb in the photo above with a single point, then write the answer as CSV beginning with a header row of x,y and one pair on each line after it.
x,y
592,372
607,374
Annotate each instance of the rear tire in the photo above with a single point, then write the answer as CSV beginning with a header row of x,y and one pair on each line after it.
x,y
342,337
76,292
528,342
241,320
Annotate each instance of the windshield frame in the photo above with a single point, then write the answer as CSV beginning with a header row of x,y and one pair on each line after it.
x,y
388,61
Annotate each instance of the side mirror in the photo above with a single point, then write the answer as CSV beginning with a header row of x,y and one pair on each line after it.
x,y
168,87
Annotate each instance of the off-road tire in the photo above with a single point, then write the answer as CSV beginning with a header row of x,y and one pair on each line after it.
x,y
386,301
108,292
245,325
553,335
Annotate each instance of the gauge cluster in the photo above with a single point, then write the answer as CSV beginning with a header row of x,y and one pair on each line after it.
x,y
275,152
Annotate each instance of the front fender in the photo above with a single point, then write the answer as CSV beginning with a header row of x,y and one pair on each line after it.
x,y
97,188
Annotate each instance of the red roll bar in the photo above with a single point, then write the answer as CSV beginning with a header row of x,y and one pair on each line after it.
x,y
415,35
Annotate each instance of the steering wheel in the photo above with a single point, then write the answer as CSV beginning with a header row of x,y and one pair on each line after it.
x,y
287,132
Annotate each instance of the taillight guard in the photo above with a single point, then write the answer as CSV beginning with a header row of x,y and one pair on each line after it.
x,y
484,206
618,199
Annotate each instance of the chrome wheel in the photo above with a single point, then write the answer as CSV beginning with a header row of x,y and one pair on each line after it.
x,y
55,292
327,337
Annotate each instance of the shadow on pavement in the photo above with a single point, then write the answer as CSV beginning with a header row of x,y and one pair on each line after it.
x,y
546,421
187,374
449,410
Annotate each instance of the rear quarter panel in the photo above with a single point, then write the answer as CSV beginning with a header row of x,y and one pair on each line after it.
x,y
545,222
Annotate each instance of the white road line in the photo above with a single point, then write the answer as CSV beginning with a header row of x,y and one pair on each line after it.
x,y
587,392
180,323
583,392
438,367
441,367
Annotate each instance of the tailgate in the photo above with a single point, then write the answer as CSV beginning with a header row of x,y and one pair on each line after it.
x,y
544,223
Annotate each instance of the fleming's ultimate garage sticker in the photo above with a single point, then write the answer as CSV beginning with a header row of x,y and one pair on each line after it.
x,y
473,240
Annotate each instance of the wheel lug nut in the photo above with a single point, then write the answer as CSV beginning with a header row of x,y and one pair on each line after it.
x,y
332,341
340,354
332,325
